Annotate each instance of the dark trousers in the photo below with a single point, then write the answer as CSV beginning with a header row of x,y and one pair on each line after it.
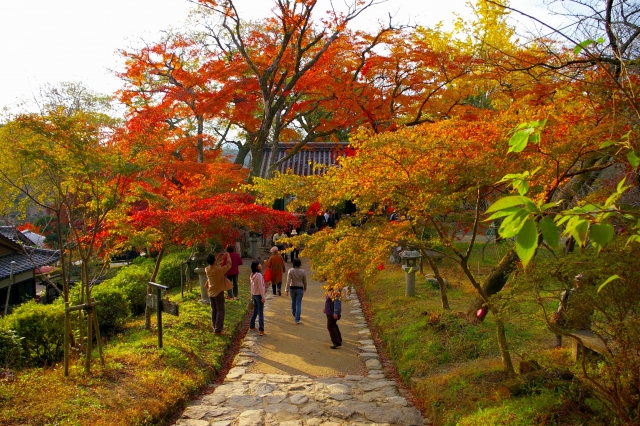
x,y
558,339
277,287
295,254
281,247
258,312
217,312
233,292
334,331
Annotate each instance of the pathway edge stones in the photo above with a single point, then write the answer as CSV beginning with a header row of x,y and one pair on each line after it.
x,y
253,399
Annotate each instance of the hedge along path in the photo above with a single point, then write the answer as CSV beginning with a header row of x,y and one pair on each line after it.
x,y
291,376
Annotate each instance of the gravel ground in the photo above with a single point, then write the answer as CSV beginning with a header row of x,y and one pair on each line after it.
x,y
290,348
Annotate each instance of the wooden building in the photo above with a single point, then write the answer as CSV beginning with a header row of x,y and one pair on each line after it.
x,y
302,162
16,247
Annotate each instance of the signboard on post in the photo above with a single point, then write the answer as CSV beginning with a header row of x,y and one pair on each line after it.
x,y
166,306
156,302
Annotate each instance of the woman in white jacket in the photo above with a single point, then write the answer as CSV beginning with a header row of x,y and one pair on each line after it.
x,y
257,296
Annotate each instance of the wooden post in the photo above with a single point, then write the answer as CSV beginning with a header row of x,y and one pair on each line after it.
x,y
156,302
66,339
11,282
159,313
98,338
187,277
89,311
89,308
181,282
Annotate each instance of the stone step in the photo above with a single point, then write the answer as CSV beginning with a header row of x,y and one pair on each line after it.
x,y
256,399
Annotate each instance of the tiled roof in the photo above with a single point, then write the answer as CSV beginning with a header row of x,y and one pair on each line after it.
x,y
36,239
27,262
324,153
12,233
26,256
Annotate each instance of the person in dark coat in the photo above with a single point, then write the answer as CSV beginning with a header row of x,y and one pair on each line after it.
x,y
333,311
312,229
232,274
295,252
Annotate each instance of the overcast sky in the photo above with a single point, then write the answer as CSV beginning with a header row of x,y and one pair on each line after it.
x,y
49,41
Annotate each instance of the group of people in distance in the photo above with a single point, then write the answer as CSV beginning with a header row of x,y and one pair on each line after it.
x,y
277,242
222,275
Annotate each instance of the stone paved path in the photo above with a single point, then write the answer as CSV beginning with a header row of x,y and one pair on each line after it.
x,y
253,395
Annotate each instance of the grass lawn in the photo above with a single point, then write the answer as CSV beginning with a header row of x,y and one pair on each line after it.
x,y
139,383
453,366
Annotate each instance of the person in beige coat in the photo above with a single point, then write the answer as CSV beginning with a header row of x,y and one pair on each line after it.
x,y
216,285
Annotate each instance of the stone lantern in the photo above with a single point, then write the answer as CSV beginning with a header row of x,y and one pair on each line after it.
x,y
200,259
410,266
254,239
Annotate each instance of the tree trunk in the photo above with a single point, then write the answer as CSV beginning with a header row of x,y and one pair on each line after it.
x,y
63,267
274,158
570,245
576,183
443,288
502,345
502,339
69,339
89,342
156,268
496,281
200,147
277,128
242,154
257,154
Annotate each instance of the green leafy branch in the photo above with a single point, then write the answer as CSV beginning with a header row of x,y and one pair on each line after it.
x,y
624,144
519,181
524,219
526,133
583,45
527,220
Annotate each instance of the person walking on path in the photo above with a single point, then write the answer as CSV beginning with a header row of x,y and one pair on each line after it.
x,y
312,229
275,263
232,274
257,296
277,237
295,251
333,311
297,286
216,285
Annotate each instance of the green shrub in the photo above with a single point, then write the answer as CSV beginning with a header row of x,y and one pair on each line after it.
x,y
114,309
10,348
169,273
143,260
132,281
41,327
